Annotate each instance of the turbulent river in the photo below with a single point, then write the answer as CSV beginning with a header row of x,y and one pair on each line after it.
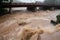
x,y
36,20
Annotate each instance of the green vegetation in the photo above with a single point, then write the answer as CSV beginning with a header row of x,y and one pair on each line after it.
x,y
58,18
33,9
2,10
57,21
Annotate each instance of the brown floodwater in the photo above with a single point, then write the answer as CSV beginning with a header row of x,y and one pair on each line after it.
x,y
35,20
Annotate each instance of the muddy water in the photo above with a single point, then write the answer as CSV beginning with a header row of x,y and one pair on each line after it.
x,y
36,20
54,36
43,20
45,24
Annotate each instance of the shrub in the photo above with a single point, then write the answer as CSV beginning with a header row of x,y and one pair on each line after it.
x,y
57,21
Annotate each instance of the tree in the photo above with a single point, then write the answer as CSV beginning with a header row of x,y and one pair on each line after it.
x,y
2,10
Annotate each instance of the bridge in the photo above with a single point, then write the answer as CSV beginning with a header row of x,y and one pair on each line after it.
x,y
30,6
7,5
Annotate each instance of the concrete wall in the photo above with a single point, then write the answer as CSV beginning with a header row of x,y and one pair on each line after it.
x,y
25,1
